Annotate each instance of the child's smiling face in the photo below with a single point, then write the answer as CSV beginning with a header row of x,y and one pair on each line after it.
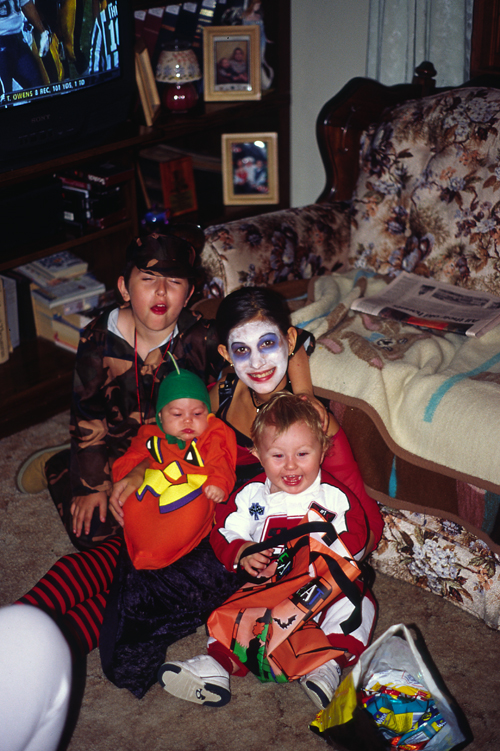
x,y
291,460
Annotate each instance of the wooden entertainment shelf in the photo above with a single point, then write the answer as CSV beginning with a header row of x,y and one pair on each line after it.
x,y
36,380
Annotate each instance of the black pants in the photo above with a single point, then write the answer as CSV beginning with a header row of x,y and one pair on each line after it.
x,y
148,610
57,473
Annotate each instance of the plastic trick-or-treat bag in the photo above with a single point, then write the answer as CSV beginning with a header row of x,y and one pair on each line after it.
x,y
390,700
269,626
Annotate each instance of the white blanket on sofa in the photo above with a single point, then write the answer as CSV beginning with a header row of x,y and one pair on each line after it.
x,y
435,397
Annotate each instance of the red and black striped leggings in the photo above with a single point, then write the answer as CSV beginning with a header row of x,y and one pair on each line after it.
x,y
76,588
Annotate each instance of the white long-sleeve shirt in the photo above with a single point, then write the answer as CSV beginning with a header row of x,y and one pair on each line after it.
x,y
254,514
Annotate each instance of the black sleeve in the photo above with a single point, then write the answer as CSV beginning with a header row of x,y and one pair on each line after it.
x,y
305,339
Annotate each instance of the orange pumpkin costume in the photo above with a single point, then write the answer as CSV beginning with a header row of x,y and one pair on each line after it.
x,y
169,514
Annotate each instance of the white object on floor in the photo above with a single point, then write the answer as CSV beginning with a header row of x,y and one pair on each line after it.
x,y
35,680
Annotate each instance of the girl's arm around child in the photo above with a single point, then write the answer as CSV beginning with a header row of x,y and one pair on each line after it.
x,y
254,514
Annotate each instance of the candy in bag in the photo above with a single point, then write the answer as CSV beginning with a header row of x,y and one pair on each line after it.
x,y
350,727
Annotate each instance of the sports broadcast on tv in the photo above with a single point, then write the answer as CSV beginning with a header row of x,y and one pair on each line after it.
x,y
52,47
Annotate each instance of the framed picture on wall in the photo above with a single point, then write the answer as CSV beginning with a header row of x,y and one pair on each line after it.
x,y
250,168
231,63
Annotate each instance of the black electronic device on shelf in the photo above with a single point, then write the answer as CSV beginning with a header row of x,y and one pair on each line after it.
x,y
73,96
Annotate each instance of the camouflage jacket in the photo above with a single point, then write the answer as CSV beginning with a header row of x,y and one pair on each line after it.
x,y
107,395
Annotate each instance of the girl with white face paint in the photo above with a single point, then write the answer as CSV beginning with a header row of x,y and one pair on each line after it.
x,y
259,353
257,340
266,355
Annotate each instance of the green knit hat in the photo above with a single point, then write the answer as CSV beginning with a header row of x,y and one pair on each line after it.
x,y
180,384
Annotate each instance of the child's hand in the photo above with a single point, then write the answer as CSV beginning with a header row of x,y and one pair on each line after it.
x,y
118,496
82,510
123,489
254,564
214,493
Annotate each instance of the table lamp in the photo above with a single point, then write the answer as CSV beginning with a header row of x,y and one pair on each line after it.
x,y
177,68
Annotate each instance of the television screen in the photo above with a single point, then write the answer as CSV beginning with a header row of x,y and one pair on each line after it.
x,y
65,73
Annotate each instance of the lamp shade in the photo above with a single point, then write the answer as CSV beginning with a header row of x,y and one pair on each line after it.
x,y
177,64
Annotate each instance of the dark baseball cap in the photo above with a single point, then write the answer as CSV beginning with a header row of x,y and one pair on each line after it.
x,y
172,253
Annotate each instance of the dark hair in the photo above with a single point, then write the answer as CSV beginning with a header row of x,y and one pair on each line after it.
x,y
247,303
173,252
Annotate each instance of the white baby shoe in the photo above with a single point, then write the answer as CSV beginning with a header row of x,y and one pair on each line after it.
x,y
200,679
320,684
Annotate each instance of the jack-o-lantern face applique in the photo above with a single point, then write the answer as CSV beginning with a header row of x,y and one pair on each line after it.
x,y
171,485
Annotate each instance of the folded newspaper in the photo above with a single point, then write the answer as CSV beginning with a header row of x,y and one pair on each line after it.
x,y
424,302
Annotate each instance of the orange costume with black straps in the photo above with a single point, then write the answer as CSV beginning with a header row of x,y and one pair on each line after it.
x,y
169,514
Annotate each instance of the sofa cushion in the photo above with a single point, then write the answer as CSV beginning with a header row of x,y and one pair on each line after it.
x,y
428,196
433,397
276,247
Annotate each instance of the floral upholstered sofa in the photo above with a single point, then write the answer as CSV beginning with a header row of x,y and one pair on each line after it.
x,y
415,187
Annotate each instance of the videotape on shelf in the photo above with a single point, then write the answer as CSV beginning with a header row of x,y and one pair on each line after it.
x,y
108,174
75,205
102,175
5,343
151,28
82,207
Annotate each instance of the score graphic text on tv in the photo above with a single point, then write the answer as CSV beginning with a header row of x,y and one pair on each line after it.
x,y
16,97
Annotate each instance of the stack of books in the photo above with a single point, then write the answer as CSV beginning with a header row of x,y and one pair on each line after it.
x,y
64,297
50,270
16,297
63,330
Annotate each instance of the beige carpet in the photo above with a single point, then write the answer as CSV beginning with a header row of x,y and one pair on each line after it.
x,y
259,717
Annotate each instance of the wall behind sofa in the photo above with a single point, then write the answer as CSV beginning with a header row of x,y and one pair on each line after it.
x,y
328,48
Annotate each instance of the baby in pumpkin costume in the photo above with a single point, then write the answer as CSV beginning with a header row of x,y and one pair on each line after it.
x,y
191,458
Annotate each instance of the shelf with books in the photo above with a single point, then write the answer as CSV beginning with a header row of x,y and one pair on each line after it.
x,y
104,250
45,370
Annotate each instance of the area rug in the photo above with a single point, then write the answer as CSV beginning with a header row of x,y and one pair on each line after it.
x,y
260,716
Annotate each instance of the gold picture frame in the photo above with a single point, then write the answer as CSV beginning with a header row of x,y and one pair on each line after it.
x,y
146,84
250,168
231,63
